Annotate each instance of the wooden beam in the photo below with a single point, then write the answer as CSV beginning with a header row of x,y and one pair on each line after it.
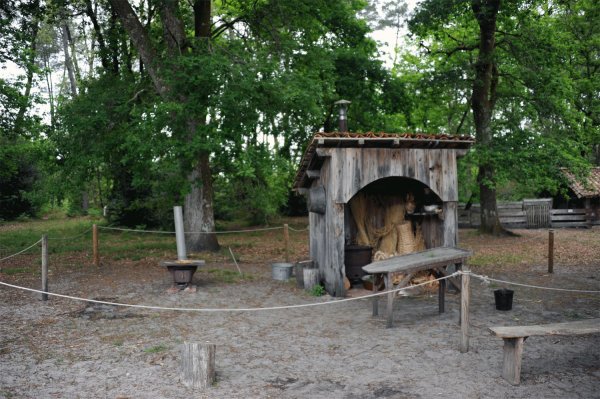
x,y
313,173
324,152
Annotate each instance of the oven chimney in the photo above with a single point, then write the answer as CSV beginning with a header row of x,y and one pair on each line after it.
x,y
343,114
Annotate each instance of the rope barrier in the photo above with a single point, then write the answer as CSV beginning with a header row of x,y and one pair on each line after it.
x,y
488,279
200,232
224,310
20,252
298,230
135,230
192,232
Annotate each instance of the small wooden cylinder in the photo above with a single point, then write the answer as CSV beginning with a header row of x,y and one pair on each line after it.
x,y
45,266
464,309
550,251
198,364
311,277
286,240
95,245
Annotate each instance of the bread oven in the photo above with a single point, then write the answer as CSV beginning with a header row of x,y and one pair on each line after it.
x,y
395,193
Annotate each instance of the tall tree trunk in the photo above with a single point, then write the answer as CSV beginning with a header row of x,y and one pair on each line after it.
x,y
198,209
28,85
198,205
482,103
68,60
102,50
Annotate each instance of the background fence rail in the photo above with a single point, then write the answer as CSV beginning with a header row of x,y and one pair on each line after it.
x,y
537,213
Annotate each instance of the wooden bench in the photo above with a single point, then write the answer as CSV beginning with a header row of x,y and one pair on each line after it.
x,y
435,259
515,336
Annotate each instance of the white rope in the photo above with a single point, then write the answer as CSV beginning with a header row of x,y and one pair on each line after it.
x,y
216,310
20,252
293,229
72,237
191,232
488,279
136,231
234,231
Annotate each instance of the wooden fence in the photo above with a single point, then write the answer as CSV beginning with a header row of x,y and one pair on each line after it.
x,y
537,213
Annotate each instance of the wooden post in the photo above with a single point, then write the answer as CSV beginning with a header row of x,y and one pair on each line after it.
x,y
511,365
376,297
198,364
390,300
286,240
550,251
95,245
311,277
464,309
441,294
45,266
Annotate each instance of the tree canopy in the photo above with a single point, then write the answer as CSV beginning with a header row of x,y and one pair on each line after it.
x,y
210,103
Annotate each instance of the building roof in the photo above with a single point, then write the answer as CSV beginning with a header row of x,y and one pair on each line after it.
x,y
311,161
584,188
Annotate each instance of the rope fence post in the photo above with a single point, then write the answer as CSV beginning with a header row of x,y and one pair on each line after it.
x,y
550,251
95,245
286,240
464,308
45,267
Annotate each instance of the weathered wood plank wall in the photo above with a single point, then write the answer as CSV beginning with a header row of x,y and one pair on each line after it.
x,y
512,215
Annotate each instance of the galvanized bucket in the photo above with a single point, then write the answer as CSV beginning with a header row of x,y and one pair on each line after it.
x,y
281,271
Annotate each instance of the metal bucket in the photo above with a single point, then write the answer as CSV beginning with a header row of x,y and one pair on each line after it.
x,y
281,271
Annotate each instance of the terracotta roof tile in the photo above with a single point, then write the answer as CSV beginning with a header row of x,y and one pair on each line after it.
x,y
587,188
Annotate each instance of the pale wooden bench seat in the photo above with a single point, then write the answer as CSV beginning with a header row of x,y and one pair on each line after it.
x,y
515,336
435,259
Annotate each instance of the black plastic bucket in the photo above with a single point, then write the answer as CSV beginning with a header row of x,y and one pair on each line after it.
x,y
503,299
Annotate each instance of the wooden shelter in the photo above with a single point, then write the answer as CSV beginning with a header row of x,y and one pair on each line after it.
x,y
391,177
583,194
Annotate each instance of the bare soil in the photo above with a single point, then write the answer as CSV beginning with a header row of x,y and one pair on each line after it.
x,y
70,349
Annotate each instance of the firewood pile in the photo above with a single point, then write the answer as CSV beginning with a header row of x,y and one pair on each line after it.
x,y
381,224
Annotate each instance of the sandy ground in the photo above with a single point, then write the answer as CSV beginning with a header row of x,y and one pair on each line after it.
x,y
67,349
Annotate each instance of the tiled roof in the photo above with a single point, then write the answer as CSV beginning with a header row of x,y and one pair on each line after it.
x,y
586,188
376,140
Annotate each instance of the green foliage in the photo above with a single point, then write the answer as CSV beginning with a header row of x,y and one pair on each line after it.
x,y
544,114
19,177
317,290
252,187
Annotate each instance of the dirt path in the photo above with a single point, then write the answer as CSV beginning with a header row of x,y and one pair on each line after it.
x,y
65,349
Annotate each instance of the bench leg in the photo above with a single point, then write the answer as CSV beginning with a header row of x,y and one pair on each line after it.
x,y
511,365
442,295
375,298
390,300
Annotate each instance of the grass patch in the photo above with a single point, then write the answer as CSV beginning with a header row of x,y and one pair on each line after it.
x,y
228,276
14,270
156,349
486,260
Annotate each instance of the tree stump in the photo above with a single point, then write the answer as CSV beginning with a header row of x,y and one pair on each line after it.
x,y
311,277
198,364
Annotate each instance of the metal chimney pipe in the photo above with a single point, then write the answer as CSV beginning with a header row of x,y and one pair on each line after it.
x,y
179,234
343,122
